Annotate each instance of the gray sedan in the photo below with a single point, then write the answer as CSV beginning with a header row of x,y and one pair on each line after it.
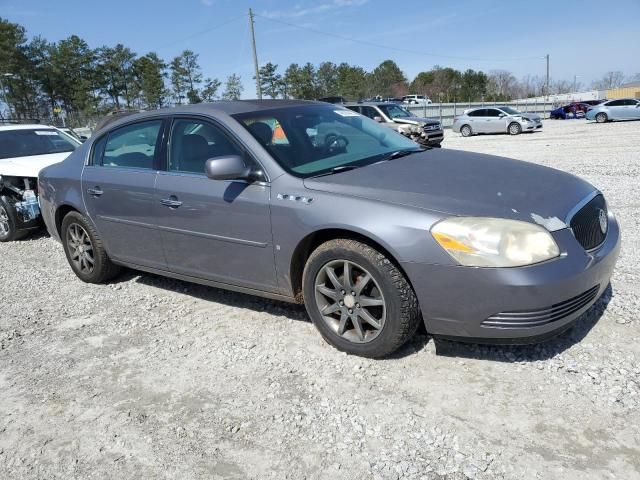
x,y
314,203
495,120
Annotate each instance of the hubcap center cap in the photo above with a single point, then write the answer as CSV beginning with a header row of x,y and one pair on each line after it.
x,y
350,301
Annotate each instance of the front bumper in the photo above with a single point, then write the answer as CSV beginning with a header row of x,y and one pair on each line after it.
x,y
460,301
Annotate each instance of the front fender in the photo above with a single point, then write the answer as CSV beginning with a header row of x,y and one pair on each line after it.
x,y
402,231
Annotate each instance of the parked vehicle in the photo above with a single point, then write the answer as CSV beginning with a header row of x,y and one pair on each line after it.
x,y
573,110
24,151
424,131
74,133
331,99
372,233
620,109
416,100
495,120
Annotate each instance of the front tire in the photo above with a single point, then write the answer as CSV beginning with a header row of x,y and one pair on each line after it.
x,y
84,250
9,222
602,117
466,131
514,129
358,299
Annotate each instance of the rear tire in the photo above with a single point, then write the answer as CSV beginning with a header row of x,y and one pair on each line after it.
x,y
9,222
466,131
84,250
359,301
514,129
602,117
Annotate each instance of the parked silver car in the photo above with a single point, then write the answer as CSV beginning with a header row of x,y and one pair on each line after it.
x,y
495,120
313,203
620,109
424,131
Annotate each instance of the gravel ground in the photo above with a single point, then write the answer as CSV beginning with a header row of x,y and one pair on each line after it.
x,y
155,378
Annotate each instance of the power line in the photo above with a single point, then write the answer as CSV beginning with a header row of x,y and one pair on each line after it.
x,y
201,32
397,49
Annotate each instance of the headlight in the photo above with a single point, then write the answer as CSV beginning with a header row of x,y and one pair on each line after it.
x,y
525,119
494,242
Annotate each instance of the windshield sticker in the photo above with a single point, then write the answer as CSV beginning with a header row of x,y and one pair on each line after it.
x,y
347,113
46,132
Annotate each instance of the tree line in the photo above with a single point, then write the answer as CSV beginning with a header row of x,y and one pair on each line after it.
x,y
42,79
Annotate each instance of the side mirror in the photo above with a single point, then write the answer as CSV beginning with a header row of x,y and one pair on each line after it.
x,y
378,119
502,115
231,167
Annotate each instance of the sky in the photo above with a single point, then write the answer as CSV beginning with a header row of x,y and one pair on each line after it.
x,y
583,38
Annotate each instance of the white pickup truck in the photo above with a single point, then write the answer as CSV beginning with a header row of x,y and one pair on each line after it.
x,y
24,151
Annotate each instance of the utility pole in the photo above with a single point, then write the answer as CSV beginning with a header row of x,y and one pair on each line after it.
x,y
547,88
255,55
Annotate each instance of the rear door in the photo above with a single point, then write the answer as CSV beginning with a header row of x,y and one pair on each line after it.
x,y
118,188
213,229
493,122
477,118
616,110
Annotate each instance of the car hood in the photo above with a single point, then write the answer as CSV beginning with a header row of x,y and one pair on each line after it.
x,y
29,166
464,184
416,121
532,116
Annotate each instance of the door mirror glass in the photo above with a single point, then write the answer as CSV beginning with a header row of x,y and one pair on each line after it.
x,y
378,118
230,167
502,115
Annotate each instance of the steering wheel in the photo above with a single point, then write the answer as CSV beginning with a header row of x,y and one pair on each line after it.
x,y
335,143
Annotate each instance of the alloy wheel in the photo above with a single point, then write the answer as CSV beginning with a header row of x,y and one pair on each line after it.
x,y
350,301
80,248
4,222
514,129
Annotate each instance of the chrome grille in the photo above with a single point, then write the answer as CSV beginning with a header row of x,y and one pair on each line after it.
x,y
586,223
535,318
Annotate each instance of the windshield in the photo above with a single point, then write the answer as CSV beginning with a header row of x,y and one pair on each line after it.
x,y
314,139
510,111
395,111
25,143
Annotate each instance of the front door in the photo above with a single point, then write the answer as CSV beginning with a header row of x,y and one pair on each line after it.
x,y
215,230
118,187
493,122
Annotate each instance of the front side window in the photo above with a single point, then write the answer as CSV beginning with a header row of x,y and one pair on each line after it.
x,y
193,142
370,112
510,111
133,146
615,103
492,112
40,141
320,138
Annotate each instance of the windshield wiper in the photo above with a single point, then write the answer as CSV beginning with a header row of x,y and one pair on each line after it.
x,y
338,169
402,153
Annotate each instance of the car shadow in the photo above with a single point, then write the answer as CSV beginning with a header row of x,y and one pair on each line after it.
x,y
447,348
216,295
527,353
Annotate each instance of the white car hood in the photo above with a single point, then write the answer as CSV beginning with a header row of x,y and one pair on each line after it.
x,y
29,166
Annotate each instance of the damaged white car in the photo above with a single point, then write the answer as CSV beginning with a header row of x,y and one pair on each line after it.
x,y
24,151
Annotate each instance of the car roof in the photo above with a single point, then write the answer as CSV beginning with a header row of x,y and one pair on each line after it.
x,y
368,104
24,126
230,107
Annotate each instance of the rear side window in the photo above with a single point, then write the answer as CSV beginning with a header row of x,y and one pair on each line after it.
x,y
132,146
615,103
481,112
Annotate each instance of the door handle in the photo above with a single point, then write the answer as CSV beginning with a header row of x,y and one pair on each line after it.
x,y
171,202
95,191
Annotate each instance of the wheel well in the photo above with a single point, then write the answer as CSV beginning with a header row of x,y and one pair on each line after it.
x,y
62,212
314,240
